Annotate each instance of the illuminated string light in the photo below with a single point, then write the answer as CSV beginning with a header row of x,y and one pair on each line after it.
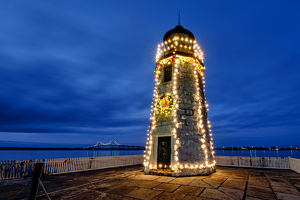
x,y
170,46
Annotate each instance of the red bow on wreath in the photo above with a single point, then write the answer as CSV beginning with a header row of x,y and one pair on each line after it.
x,y
165,100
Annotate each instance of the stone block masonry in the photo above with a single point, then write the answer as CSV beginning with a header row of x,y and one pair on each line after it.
x,y
188,118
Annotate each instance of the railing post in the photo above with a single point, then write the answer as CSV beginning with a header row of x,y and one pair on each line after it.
x,y
34,181
66,165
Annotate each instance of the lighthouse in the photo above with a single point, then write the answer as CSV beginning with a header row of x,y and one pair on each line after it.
x,y
179,138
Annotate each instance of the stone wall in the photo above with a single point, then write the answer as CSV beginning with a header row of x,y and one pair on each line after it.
x,y
188,131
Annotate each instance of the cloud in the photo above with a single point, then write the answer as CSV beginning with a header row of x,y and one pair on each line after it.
x,y
86,70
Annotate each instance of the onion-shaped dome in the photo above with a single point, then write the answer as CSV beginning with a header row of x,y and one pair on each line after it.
x,y
179,41
179,30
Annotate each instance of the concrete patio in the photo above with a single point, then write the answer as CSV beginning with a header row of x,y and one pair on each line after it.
x,y
131,183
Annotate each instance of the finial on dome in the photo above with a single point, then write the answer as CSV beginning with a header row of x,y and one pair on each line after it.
x,y
179,18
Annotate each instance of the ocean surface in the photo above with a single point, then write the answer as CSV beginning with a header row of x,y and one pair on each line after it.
x,y
46,154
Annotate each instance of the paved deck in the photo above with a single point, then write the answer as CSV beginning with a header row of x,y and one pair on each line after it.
x,y
131,183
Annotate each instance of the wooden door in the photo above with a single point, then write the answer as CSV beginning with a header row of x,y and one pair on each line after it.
x,y
164,152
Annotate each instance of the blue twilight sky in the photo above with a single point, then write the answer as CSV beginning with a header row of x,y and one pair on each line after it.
x,y
76,72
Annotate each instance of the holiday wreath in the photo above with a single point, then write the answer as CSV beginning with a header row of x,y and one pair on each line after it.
x,y
164,105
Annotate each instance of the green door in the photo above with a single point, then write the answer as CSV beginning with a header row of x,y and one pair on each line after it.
x,y
164,152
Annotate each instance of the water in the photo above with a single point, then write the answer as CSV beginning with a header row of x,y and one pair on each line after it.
x,y
44,154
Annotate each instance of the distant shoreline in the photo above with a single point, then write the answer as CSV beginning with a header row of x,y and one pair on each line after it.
x,y
51,148
257,149
38,148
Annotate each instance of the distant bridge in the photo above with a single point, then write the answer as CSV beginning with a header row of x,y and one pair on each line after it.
x,y
114,145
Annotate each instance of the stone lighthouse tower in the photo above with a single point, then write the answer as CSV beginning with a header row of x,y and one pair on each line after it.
x,y
179,139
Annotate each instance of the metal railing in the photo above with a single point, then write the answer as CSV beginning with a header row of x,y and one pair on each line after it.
x,y
260,162
23,169
295,164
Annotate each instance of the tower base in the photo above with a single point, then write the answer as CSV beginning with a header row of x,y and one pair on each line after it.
x,y
161,172
182,172
194,172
